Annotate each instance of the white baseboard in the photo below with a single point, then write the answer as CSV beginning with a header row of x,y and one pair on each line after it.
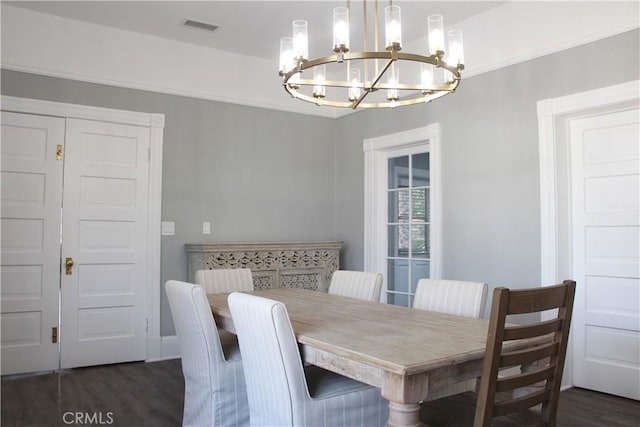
x,y
154,348
170,347
163,348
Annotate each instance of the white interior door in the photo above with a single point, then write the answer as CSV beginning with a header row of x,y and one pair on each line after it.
x,y
606,260
104,234
31,202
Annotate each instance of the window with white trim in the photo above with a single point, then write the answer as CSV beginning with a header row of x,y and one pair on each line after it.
x,y
402,210
407,226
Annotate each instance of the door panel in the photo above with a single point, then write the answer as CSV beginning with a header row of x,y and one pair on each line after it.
x,y
104,232
606,244
31,203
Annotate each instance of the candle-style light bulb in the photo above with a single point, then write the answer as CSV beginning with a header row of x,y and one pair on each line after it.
x,y
300,40
426,77
435,27
393,78
319,77
354,79
393,28
455,53
286,55
340,29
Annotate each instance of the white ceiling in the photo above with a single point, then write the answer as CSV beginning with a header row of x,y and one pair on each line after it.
x,y
143,45
251,28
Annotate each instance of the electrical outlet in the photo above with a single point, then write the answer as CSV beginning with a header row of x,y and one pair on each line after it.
x,y
168,228
206,228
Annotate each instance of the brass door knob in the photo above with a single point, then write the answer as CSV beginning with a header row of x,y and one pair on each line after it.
x,y
68,265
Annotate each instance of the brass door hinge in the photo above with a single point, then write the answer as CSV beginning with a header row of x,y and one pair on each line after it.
x,y
59,152
54,335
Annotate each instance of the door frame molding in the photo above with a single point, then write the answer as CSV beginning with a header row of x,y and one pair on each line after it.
x,y
155,123
554,118
554,114
375,207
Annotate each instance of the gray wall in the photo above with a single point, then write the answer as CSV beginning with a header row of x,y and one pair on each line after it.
x,y
490,175
262,175
255,174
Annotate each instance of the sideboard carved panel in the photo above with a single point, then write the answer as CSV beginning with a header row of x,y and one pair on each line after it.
x,y
306,265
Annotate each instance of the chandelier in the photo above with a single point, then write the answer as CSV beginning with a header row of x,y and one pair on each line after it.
x,y
371,79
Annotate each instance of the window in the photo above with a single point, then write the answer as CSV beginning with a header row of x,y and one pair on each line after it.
x,y
402,210
407,226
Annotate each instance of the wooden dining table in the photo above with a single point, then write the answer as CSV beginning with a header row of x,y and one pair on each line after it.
x,y
405,352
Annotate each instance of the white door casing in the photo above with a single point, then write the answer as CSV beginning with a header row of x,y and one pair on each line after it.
x,y
605,172
106,180
558,246
31,201
377,151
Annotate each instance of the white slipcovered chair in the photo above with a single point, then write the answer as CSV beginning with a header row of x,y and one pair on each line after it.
x,y
281,391
356,284
452,297
215,391
224,280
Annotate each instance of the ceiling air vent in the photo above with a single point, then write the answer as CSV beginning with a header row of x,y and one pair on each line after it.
x,y
199,25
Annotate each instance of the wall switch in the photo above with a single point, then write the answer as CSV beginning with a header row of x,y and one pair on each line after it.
x,y
206,228
168,228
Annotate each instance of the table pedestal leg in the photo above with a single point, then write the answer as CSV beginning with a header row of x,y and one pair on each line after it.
x,y
404,415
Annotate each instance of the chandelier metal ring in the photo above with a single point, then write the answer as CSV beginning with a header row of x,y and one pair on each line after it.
x,y
428,94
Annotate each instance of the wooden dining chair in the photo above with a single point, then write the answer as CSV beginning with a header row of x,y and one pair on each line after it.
x,y
215,391
281,391
452,297
225,280
544,363
356,284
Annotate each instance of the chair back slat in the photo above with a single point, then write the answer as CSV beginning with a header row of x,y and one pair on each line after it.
x,y
529,331
531,301
517,405
523,357
523,380
541,365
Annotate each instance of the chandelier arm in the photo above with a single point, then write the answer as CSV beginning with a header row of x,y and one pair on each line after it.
x,y
380,74
357,102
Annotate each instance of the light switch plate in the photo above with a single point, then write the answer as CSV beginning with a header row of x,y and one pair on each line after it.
x,y
168,228
206,228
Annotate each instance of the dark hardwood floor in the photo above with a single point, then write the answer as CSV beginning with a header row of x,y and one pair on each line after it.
x,y
135,394
150,394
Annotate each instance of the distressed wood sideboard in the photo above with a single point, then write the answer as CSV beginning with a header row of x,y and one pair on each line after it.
x,y
302,265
